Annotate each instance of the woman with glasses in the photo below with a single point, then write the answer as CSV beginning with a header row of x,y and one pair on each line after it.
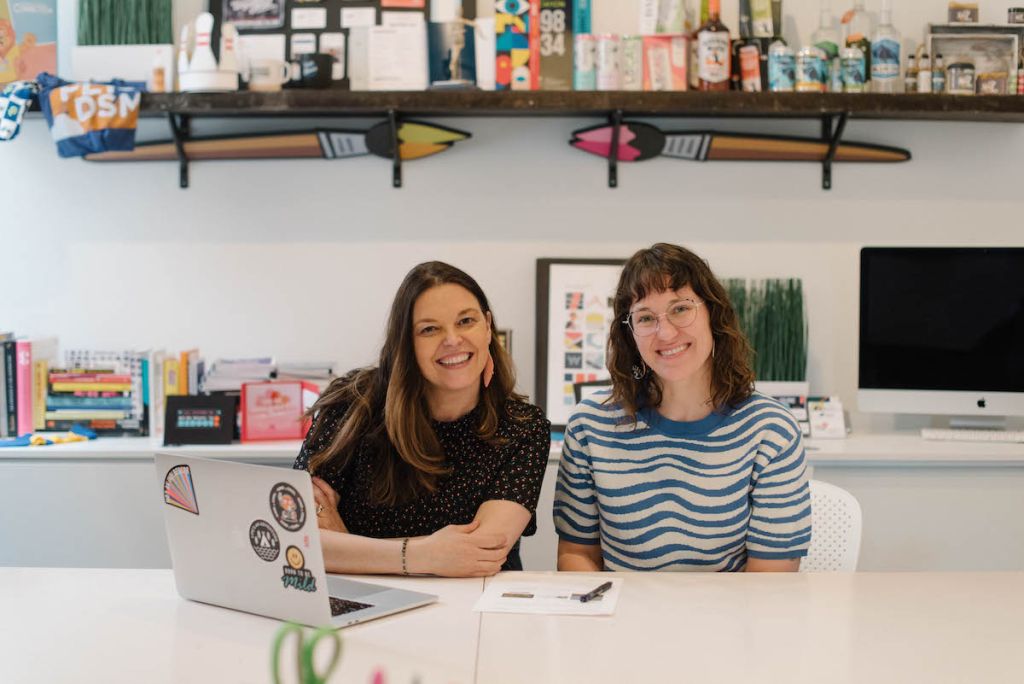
x,y
428,462
681,465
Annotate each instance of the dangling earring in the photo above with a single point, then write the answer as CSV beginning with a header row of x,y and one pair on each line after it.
x,y
488,370
639,371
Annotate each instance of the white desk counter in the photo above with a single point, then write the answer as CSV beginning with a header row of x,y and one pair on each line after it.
x,y
701,627
110,626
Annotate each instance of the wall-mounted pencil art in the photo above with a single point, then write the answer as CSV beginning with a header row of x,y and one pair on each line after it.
x,y
640,141
415,140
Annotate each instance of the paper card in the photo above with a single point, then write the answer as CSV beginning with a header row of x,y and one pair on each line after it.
x,y
443,11
485,44
261,46
309,18
397,58
411,4
555,595
402,19
334,44
354,17
358,58
303,44
826,417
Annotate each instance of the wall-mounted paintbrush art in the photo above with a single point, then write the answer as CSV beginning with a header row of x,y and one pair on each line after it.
x,y
640,141
415,140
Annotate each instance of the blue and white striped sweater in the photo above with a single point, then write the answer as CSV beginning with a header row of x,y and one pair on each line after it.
x,y
668,495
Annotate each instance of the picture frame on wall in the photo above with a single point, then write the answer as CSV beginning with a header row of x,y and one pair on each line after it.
x,y
505,339
574,316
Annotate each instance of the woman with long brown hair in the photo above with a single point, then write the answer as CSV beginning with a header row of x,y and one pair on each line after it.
x,y
428,462
682,465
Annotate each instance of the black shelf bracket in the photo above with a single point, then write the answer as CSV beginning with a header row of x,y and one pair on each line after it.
x,y
181,129
613,154
396,159
832,126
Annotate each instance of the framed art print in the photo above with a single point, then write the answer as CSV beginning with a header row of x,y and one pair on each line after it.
x,y
574,315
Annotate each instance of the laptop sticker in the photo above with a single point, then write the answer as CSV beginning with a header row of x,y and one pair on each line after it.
x,y
295,574
179,490
264,540
287,507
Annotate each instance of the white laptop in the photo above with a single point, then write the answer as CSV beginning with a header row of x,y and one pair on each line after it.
x,y
245,537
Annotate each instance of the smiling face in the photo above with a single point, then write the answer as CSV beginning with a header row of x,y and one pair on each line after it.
x,y
450,338
677,355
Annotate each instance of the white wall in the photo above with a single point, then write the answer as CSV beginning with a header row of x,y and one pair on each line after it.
x,y
300,258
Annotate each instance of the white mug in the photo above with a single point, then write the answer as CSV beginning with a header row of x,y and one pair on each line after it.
x,y
267,75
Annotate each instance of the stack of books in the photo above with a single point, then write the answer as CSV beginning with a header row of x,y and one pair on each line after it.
x,y
320,373
228,375
24,364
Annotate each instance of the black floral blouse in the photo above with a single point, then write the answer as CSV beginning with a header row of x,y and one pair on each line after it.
x,y
480,472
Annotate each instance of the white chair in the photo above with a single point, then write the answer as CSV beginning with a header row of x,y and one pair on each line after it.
x,y
835,530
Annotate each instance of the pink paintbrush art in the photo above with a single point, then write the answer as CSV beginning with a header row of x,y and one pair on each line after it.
x,y
640,141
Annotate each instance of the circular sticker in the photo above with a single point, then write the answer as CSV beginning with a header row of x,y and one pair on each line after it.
x,y
295,557
264,540
287,507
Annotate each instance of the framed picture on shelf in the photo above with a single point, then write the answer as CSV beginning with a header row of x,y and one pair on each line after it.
x,y
574,316
505,339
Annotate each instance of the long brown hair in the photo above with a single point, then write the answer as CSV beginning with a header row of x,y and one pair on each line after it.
x,y
387,407
670,267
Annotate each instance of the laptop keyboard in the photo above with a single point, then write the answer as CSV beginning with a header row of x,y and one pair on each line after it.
x,y
341,606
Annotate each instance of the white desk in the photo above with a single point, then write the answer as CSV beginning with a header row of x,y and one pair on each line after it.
x,y
111,626
699,627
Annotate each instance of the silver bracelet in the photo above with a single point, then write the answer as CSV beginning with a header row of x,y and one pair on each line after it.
x,y
405,546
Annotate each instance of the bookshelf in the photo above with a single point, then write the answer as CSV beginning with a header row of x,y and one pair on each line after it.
x,y
832,109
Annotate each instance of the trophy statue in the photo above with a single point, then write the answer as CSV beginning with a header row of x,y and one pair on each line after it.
x,y
455,33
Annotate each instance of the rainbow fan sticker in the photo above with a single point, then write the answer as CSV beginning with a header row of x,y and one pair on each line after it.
x,y
179,491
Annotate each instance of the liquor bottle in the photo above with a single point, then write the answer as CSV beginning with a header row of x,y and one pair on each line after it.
x,y
857,31
910,76
885,54
713,51
826,39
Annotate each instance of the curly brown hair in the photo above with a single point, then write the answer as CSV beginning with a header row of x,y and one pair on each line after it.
x,y
386,404
670,267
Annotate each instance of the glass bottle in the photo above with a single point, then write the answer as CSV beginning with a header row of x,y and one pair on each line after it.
x,y
924,74
885,54
826,38
910,76
857,32
713,51
938,75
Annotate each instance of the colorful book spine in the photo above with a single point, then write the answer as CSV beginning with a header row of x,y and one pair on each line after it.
x,y
23,370
581,16
57,376
91,386
11,388
40,373
86,414
556,44
60,401
517,30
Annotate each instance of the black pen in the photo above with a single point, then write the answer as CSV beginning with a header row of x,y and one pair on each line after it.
x,y
591,595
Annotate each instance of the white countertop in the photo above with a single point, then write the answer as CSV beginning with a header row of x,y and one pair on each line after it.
x,y
867,449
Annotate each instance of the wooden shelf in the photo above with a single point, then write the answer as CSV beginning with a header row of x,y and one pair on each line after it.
x,y
292,103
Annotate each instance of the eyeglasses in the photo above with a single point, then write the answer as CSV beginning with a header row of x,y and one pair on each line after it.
x,y
644,323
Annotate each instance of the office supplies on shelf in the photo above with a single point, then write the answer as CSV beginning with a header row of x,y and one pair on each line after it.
x,y
554,595
964,435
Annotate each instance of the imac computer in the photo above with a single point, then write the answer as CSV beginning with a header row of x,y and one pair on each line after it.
x,y
942,333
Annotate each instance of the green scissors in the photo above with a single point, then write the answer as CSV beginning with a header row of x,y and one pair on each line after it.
x,y
305,650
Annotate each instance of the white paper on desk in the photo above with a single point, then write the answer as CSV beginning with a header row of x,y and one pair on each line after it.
x,y
397,58
553,596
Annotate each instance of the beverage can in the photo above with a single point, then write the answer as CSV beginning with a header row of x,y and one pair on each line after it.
x,y
781,68
609,76
584,62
